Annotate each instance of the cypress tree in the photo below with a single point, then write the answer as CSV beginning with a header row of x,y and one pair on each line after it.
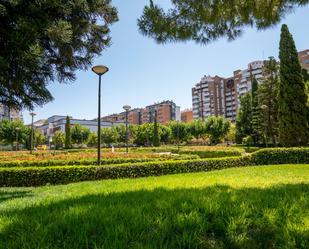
x,y
156,138
256,129
68,143
292,98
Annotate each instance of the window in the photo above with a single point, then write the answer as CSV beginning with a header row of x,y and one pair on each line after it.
x,y
306,61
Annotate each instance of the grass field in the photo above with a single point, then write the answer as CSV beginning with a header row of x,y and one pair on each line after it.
x,y
254,207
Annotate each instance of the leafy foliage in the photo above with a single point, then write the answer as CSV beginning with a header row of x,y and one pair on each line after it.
x,y
204,21
58,139
9,130
244,117
47,41
217,128
80,134
156,137
268,104
109,135
292,98
180,131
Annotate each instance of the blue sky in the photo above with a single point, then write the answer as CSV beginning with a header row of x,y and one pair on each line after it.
x,y
143,72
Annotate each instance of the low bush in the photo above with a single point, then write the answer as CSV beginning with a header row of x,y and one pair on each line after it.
x,y
281,156
93,161
212,154
36,176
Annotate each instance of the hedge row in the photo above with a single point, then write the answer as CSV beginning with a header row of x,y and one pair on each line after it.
x,y
17,177
212,154
281,156
86,162
36,176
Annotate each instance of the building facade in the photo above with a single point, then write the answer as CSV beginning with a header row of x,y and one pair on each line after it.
x,y
166,112
187,116
57,123
221,96
9,113
304,59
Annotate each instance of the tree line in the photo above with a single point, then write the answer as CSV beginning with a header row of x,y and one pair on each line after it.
x,y
276,110
212,131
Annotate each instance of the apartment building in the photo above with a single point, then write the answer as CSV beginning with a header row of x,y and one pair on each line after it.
x,y
208,97
134,117
9,113
166,111
304,59
219,96
186,116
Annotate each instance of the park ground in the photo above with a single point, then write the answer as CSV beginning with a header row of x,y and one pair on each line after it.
x,y
251,207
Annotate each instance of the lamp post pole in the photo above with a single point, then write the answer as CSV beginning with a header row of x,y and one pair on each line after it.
x,y
127,109
99,70
31,138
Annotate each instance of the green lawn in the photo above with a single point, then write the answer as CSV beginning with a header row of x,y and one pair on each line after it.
x,y
254,207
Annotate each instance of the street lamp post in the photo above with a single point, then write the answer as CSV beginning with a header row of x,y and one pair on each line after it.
x,y
127,109
32,114
17,131
99,70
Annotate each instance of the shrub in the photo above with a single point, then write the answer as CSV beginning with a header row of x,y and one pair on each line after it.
x,y
281,156
213,154
36,176
87,162
248,141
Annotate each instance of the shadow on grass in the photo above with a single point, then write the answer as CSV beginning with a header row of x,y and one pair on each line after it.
x,y
6,195
212,217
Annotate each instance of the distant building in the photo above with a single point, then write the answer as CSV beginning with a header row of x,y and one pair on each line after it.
x,y
304,59
9,113
186,116
221,96
166,111
57,123
208,97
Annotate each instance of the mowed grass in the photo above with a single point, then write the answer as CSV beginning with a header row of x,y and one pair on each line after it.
x,y
254,207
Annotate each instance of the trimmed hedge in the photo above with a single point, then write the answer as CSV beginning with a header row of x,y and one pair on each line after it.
x,y
211,154
36,176
281,156
87,162
17,177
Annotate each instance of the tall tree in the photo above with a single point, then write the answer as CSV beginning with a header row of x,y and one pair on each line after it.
x,y
292,98
47,41
197,128
11,130
156,138
80,134
217,128
58,139
204,21
256,128
68,143
244,118
268,104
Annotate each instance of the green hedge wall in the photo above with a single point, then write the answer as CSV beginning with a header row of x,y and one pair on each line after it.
x,y
87,162
36,176
211,154
281,156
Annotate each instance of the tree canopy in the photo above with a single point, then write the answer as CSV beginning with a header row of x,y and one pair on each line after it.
x,y
292,97
204,21
47,41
